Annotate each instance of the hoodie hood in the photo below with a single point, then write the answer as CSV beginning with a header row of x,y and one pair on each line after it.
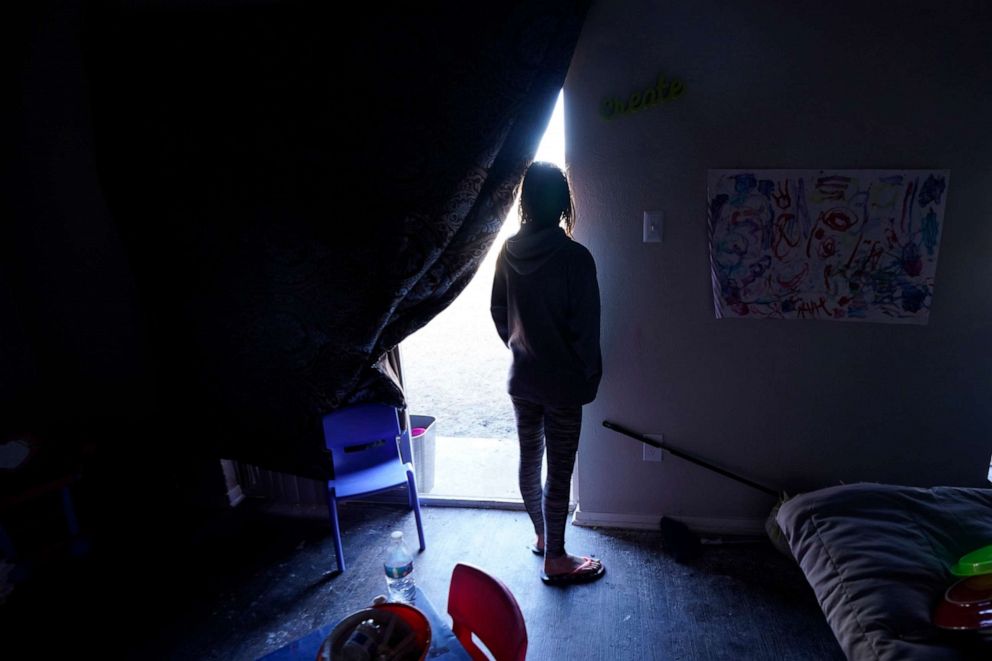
x,y
526,252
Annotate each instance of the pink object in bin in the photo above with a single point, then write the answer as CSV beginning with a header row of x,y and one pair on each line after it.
x,y
419,431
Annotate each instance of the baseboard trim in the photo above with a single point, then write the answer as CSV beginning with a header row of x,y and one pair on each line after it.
x,y
698,524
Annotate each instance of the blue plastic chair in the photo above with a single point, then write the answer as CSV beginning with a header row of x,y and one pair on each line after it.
x,y
364,443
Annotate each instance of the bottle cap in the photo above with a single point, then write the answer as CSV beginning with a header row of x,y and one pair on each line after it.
x,y
397,534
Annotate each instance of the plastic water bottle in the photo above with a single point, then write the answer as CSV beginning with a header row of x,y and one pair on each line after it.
x,y
399,570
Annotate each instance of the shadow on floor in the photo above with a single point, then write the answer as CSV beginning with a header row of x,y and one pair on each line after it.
x,y
261,581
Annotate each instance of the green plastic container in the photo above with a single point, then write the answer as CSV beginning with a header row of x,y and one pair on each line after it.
x,y
975,563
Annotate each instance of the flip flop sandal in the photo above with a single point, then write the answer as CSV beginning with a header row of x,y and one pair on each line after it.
x,y
581,574
536,551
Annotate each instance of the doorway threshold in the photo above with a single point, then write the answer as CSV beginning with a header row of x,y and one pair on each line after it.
x,y
431,500
399,496
478,503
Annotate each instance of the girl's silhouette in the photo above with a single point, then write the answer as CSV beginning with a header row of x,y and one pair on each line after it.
x,y
545,304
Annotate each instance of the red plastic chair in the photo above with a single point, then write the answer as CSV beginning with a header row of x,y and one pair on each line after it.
x,y
482,605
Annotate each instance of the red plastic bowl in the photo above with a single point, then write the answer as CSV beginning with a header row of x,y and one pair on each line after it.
x,y
416,620
966,605
411,616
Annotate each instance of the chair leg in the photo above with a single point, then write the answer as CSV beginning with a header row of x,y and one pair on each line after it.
x,y
332,509
412,487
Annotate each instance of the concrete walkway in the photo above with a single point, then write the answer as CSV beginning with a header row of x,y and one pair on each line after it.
x,y
476,468
455,370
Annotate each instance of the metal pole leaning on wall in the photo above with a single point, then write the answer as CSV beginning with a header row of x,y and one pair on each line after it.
x,y
688,457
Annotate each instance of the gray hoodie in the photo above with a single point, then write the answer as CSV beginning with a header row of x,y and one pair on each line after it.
x,y
545,304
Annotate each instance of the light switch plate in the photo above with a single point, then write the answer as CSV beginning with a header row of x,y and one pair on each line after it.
x,y
653,222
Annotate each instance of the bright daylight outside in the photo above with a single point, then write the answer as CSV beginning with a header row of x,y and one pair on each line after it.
x,y
455,370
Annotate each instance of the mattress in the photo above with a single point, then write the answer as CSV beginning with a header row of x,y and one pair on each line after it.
x,y
878,558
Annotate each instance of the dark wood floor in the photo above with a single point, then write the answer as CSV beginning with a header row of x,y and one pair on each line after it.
x,y
268,581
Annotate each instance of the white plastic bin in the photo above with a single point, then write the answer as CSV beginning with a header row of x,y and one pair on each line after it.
x,y
424,450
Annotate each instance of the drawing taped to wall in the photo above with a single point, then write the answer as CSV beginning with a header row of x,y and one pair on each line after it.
x,y
846,245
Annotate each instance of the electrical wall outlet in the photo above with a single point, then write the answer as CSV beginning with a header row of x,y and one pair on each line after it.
x,y
652,453
653,221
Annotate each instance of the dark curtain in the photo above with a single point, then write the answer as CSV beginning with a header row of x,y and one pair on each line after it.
x,y
299,188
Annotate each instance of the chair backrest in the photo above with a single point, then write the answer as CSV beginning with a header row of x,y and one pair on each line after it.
x,y
361,436
483,605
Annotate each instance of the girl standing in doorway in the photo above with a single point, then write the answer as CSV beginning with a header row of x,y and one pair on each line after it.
x,y
545,304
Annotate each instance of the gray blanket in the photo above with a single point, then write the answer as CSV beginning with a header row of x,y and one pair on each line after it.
x,y
878,558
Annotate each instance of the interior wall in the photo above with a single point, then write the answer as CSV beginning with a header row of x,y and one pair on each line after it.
x,y
796,404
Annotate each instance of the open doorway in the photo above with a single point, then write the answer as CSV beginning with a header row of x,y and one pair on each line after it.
x,y
454,371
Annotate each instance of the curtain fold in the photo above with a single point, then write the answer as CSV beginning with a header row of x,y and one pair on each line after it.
x,y
298,192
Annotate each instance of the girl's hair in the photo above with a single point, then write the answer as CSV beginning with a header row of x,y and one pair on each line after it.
x,y
545,198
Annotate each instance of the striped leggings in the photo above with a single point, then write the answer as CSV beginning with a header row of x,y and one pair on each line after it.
x,y
559,428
